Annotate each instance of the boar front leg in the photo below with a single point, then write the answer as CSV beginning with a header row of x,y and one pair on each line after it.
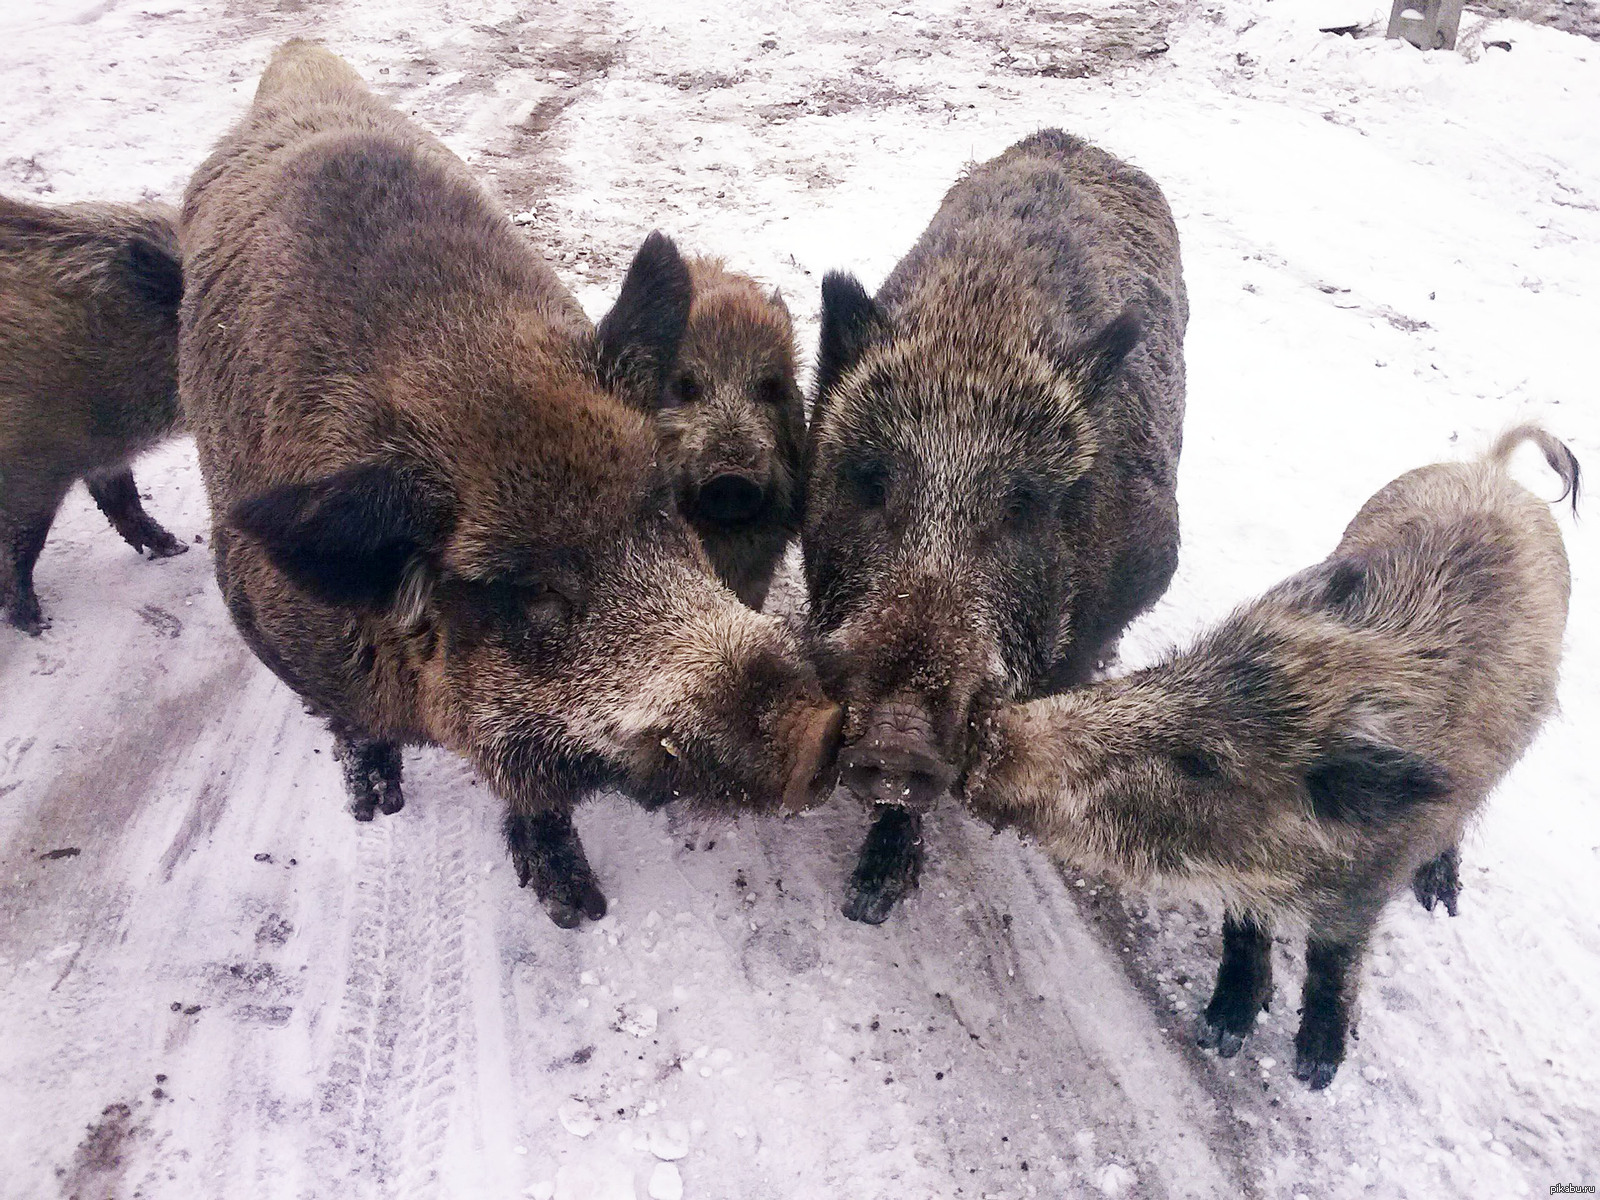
x,y
550,858
889,867
1328,1005
371,774
118,497
1244,984
1438,881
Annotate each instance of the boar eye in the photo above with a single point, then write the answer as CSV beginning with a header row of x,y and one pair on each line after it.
x,y
684,389
870,482
1021,504
1196,764
545,604
771,390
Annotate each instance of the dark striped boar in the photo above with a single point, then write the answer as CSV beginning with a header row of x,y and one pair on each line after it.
x,y
88,373
732,427
992,463
1303,759
435,517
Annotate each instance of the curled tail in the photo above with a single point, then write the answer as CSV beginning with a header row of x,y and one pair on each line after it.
x,y
307,68
1562,461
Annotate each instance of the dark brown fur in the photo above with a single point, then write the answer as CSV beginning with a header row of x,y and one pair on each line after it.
x,y
1306,757
435,516
992,464
88,373
732,424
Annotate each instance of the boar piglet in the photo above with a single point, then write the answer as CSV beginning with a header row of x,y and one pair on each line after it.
x,y
436,517
732,425
88,373
1308,755
991,469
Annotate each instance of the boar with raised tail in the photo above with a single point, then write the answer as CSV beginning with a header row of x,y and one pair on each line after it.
x,y
991,469
1306,757
435,516
88,374
732,426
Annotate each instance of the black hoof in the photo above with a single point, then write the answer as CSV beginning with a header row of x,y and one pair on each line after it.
x,y
162,544
371,776
1315,1074
1438,881
569,905
1319,1048
889,867
29,621
549,858
1214,1037
872,904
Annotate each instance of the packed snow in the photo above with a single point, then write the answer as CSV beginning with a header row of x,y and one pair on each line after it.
x,y
214,983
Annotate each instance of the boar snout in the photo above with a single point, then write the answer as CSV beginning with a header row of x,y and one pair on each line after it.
x,y
897,761
816,734
729,498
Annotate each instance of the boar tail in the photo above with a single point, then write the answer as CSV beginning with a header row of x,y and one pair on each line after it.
x,y
1562,461
307,69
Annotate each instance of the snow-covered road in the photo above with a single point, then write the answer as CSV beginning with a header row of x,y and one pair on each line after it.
x,y
213,983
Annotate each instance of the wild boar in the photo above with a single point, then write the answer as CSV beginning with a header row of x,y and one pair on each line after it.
x,y
1304,758
732,427
435,516
88,373
991,469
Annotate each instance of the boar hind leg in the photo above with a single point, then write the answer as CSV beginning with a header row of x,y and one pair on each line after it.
x,y
23,534
889,867
118,497
1438,881
1244,984
371,774
549,857
1328,1004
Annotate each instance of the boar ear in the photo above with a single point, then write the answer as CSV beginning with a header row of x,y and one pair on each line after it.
x,y
154,272
851,321
776,300
1363,782
1094,363
348,537
638,339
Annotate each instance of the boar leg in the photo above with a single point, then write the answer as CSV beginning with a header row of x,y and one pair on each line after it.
x,y
24,536
371,774
1327,1013
1439,881
118,497
549,856
889,867
1244,984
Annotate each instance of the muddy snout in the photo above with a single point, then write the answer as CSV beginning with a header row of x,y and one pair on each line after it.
x,y
728,498
896,760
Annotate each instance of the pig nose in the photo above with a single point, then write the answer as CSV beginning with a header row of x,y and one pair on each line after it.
x,y
895,761
729,499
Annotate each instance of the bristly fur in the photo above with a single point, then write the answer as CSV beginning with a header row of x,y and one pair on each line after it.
x,y
89,299
992,457
1324,744
438,513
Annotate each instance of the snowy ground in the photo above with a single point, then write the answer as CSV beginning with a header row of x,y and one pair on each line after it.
x,y
214,984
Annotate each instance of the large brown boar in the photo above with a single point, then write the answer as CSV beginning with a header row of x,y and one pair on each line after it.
x,y
435,517
88,373
992,463
732,426
1303,759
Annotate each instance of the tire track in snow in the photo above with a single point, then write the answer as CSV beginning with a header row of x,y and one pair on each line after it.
x,y
383,1109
